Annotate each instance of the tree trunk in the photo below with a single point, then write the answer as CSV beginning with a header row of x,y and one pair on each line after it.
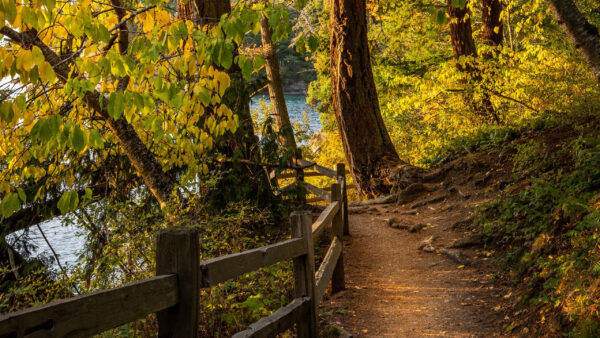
x,y
367,144
461,33
492,33
463,44
203,11
276,95
583,34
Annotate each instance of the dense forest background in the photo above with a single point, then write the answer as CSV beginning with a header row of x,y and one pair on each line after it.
x,y
127,117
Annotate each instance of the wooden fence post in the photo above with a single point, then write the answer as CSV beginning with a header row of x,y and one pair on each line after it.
x,y
304,273
300,177
341,180
178,252
338,281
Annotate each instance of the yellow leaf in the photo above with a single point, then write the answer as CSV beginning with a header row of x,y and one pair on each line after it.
x,y
25,60
46,72
223,81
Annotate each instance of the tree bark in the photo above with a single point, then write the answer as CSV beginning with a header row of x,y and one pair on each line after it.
x,y
584,35
463,44
367,144
276,95
461,33
203,11
492,33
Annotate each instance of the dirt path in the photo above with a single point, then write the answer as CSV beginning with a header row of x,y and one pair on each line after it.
x,y
395,289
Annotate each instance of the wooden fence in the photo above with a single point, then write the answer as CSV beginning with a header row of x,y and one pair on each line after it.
x,y
173,293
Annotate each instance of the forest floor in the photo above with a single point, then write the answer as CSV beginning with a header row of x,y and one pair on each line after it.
x,y
418,268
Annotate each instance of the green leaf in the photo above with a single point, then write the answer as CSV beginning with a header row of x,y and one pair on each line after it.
x,y
6,112
88,194
459,3
299,4
68,201
258,62
204,96
95,139
441,17
10,205
313,43
103,34
10,10
46,129
22,195
37,55
116,105
77,138
224,53
246,66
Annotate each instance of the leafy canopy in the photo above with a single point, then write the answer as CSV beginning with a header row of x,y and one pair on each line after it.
x,y
164,75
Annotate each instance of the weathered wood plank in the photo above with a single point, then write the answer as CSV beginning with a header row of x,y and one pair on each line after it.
x,y
325,272
314,200
87,315
318,191
178,252
325,171
288,187
304,273
351,186
341,169
324,219
293,175
279,321
218,270
338,280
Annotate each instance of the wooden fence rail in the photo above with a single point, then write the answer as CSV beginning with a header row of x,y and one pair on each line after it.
x,y
173,293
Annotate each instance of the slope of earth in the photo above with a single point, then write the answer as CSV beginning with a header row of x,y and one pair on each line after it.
x,y
416,268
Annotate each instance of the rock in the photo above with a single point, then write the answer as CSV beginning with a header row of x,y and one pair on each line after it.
x,y
392,222
427,244
379,200
411,193
406,175
395,223
467,242
332,330
457,256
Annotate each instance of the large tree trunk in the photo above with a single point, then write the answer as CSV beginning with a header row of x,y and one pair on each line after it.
x,y
583,34
461,33
367,144
463,44
492,33
276,95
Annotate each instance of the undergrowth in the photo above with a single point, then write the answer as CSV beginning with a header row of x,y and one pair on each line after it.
x,y
545,225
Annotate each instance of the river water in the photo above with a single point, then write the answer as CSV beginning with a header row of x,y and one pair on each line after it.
x,y
66,240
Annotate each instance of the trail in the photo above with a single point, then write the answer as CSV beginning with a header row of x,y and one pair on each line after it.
x,y
395,289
